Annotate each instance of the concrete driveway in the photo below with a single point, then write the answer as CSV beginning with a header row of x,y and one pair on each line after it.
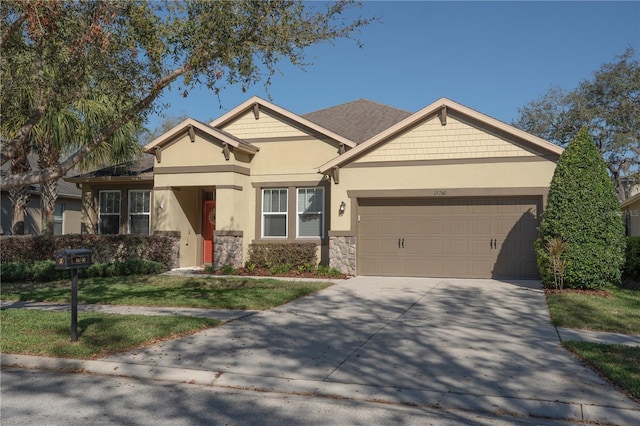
x,y
479,345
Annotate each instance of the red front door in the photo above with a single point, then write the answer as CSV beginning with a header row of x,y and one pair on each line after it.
x,y
208,226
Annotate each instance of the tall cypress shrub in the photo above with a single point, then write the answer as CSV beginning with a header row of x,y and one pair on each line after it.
x,y
582,209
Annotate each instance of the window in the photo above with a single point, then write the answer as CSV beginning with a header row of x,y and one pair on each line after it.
x,y
57,218
109,212
310,212
274,212
139,212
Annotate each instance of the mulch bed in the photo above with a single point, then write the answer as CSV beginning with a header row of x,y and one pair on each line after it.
x,y
265,272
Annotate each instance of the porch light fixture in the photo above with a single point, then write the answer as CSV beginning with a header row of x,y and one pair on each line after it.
x,y
342,208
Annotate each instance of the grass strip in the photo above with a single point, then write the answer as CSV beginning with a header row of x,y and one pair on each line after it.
x,y
168,291
618,363
45,333
618,313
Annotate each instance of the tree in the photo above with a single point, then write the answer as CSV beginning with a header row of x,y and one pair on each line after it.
x,y
62,52
583,212
19,196
60,131
608,105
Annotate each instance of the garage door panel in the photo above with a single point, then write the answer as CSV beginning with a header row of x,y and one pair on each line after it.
x,y
436,227
459,226
436,246
448,237
458,247
481,226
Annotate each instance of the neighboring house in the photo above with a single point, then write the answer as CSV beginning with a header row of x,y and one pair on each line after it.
x,y
443,192
631,214
66,218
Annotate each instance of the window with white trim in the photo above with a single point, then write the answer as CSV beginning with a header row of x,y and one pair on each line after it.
x,y
139,212
310,213
58,216
109,212
274,212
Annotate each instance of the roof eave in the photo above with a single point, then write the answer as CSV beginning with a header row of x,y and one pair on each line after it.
x,y
630,200
429,110
166,137
114,179
249,104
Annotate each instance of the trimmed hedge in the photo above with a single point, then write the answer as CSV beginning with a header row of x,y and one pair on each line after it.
x,y
275,255
632,264
583,211
106,248
45,271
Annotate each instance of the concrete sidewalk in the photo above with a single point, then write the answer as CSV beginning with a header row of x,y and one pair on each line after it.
x,y
477,345
219,314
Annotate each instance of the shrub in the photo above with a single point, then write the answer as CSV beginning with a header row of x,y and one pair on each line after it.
x,y
44,271
632,264
12,272
281,268
227,270
583,211
275,254
106,248
326,271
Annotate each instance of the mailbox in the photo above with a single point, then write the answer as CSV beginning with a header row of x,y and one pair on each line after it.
x,y
74,258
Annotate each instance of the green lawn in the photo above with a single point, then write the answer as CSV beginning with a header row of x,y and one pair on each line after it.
x,y
163,290
618,313
48,333
620,364
45,333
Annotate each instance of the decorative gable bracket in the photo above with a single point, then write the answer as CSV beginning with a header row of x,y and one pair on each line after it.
x,y
226,151
443,115
335,174
158,153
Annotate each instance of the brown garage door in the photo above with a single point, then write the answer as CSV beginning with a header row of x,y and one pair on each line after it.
x,y
465,238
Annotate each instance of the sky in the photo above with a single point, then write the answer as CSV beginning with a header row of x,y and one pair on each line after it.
x,y
493,57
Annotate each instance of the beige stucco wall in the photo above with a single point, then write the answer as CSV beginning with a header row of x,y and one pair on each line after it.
x,y
90,201
286,156
71,216
438,179
204,151
632,217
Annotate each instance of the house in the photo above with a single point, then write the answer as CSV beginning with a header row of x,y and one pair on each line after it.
x,y
66,219
443,192
631,214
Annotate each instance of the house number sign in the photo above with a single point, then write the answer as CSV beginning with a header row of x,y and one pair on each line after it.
x,y
439,193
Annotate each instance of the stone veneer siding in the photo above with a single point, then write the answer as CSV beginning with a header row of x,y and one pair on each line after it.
x,y
227,249
342,254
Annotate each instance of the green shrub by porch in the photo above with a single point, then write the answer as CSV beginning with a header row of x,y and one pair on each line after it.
x,y
583,210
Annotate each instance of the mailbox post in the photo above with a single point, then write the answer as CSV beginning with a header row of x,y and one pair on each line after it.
x,y
72,260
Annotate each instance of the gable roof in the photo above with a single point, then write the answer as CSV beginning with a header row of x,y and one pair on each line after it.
x,y
259,103
442,104
358,120
189,123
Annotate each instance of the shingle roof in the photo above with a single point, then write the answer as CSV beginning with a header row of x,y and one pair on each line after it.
x,y
358,120
139,168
